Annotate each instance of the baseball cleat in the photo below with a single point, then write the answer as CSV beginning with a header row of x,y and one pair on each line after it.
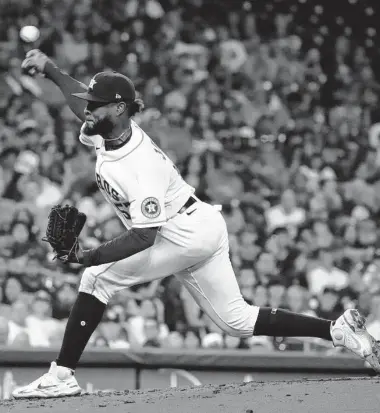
x,y
349,331
58,382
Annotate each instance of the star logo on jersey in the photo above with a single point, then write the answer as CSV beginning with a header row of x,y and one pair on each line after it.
x,y
150,207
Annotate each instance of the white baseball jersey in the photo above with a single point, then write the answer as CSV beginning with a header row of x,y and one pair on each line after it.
x,y
139,180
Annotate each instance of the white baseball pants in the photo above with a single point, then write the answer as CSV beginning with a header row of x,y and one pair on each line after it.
x,y
194,247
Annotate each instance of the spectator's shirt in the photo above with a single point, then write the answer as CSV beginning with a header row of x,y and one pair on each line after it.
x,y
15,330
277,217
40,331
320,277
139,180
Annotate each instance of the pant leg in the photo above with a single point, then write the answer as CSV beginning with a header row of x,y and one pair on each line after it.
x,y
195,248
159,261
214,287
185,241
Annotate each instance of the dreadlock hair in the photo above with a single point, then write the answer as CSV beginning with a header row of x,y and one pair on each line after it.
x,y
135,107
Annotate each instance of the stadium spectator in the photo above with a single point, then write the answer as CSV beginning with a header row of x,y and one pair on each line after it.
x,y
192,339
121,339
276,295
260,295
286,213
18,329
212,341
174,303
231,342
329,305
326,273
297,300
41,326
266,268
173,340
12,289
247,280
64,298
100,341
151,333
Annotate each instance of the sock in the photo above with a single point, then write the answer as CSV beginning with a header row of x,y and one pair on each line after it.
x,y
84,317
282,323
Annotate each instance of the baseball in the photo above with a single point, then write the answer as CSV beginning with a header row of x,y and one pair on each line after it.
x,y
29,34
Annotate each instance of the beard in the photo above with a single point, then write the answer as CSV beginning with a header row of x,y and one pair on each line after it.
x,y
102,127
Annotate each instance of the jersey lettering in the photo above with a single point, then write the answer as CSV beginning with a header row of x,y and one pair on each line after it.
x,y
121,204
99,182
105,186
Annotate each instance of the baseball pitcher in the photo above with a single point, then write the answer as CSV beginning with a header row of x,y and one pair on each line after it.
x,y
168,231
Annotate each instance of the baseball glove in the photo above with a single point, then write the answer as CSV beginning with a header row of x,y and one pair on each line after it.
x,y
65,223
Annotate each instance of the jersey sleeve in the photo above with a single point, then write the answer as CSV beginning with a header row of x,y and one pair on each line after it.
x,y
147,200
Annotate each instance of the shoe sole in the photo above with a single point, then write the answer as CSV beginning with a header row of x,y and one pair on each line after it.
x,y
41,396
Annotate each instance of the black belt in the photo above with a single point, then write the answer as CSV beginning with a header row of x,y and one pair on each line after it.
x,y
191,201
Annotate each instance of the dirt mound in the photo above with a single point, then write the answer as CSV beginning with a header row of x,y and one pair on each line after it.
x,y
312,396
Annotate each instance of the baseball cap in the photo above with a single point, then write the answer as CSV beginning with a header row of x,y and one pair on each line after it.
x,y
108,87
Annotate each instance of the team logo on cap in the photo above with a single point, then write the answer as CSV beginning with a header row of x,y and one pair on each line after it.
x,y
92,84
150,207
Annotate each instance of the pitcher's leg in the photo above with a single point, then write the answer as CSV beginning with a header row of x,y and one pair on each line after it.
x,y
215,289
84,318
159,261
99,284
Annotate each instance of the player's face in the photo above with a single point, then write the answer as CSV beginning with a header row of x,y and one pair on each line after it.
x,y
100,118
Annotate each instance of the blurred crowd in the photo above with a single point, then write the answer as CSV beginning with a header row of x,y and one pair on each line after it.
x,y
269,108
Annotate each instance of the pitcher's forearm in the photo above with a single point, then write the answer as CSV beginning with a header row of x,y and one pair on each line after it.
x,y
129,243
68,86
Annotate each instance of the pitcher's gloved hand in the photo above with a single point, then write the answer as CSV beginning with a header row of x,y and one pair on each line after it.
x,y
34,62
74,256
65,223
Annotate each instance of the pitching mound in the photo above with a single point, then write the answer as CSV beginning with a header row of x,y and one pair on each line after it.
x,y
312,396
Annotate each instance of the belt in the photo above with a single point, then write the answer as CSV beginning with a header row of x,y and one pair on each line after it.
x,y
191,201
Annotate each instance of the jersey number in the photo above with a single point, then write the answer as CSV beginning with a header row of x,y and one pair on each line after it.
x,y
124,209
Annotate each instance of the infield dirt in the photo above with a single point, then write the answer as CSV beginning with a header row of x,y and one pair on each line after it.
x,y
355,395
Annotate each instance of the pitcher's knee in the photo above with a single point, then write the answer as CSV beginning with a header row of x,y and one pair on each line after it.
x,y
239,323
92,284
241,330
